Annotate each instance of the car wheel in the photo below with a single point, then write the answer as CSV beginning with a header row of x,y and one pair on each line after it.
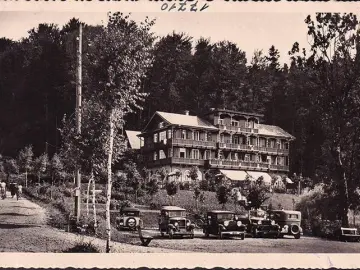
x,y
242,237
297,236
256,233
171,234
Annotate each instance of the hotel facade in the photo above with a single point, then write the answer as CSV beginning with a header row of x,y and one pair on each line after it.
x,y
235,143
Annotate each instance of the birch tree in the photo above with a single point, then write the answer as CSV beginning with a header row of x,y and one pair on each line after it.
x,y
121,56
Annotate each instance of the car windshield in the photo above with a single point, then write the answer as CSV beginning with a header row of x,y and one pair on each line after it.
x,y
225,216
131,213
347,231
176,214
275,216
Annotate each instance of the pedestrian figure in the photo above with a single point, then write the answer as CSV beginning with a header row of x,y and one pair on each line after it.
x,y
3,189
12,190
19,191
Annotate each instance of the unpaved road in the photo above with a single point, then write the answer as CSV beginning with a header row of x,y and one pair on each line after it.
x,y
23,229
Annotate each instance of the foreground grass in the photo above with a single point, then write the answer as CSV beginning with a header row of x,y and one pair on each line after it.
x,y
185,199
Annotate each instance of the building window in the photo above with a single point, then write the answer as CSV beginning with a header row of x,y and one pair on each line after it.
x,y
196,136
207,154
155,137
155,156
162,154
169,134
170,152
247,158
222,138
234,123
161,124
162,135
195,154
221,122
182,153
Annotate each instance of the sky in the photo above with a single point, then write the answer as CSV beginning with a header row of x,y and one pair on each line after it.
x,y
249,30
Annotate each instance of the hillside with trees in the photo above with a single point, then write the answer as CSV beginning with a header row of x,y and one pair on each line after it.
x,y
315,97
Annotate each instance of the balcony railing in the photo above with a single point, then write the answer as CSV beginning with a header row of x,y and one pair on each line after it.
x,y
235,146
192,143
233,164
273,150
239,129
176,160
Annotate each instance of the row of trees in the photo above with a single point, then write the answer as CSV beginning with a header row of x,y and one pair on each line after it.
x,y
26,163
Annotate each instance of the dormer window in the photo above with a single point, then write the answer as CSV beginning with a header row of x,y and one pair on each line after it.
x,y
183,134
161,124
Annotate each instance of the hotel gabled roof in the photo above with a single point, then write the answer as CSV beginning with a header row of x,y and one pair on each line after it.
x,y
134,140
183,120
275,131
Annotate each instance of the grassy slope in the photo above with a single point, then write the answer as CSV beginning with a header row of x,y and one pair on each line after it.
x,y
184,198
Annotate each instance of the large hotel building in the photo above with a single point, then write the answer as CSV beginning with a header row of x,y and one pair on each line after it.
x,y
235,143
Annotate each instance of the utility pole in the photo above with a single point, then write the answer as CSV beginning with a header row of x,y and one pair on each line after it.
x,y
78,122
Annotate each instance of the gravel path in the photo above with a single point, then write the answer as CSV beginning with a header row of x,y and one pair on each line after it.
x,y
23,229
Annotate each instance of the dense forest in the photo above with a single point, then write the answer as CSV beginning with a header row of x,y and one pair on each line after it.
x,y
315,98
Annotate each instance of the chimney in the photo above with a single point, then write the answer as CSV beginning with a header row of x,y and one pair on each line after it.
x,y
186,112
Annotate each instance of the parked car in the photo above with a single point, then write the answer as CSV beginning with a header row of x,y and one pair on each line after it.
x,y
223,223
349,235
260,227
289,222
265,228
129,219
173,222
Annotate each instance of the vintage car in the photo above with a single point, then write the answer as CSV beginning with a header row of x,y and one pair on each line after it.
x,y
349,235
129,219
223,223
289,222
260,227
265,228
173,222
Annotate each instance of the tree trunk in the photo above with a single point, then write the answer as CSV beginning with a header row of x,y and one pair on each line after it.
x,y
26,178
87,197
51,187
109,183
93,201
341,177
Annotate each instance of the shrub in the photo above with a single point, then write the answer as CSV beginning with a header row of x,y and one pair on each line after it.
x,y
114,205
123,204
154,206
43,190
325,228
117,196
100,198
184,186
279,189
83,248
